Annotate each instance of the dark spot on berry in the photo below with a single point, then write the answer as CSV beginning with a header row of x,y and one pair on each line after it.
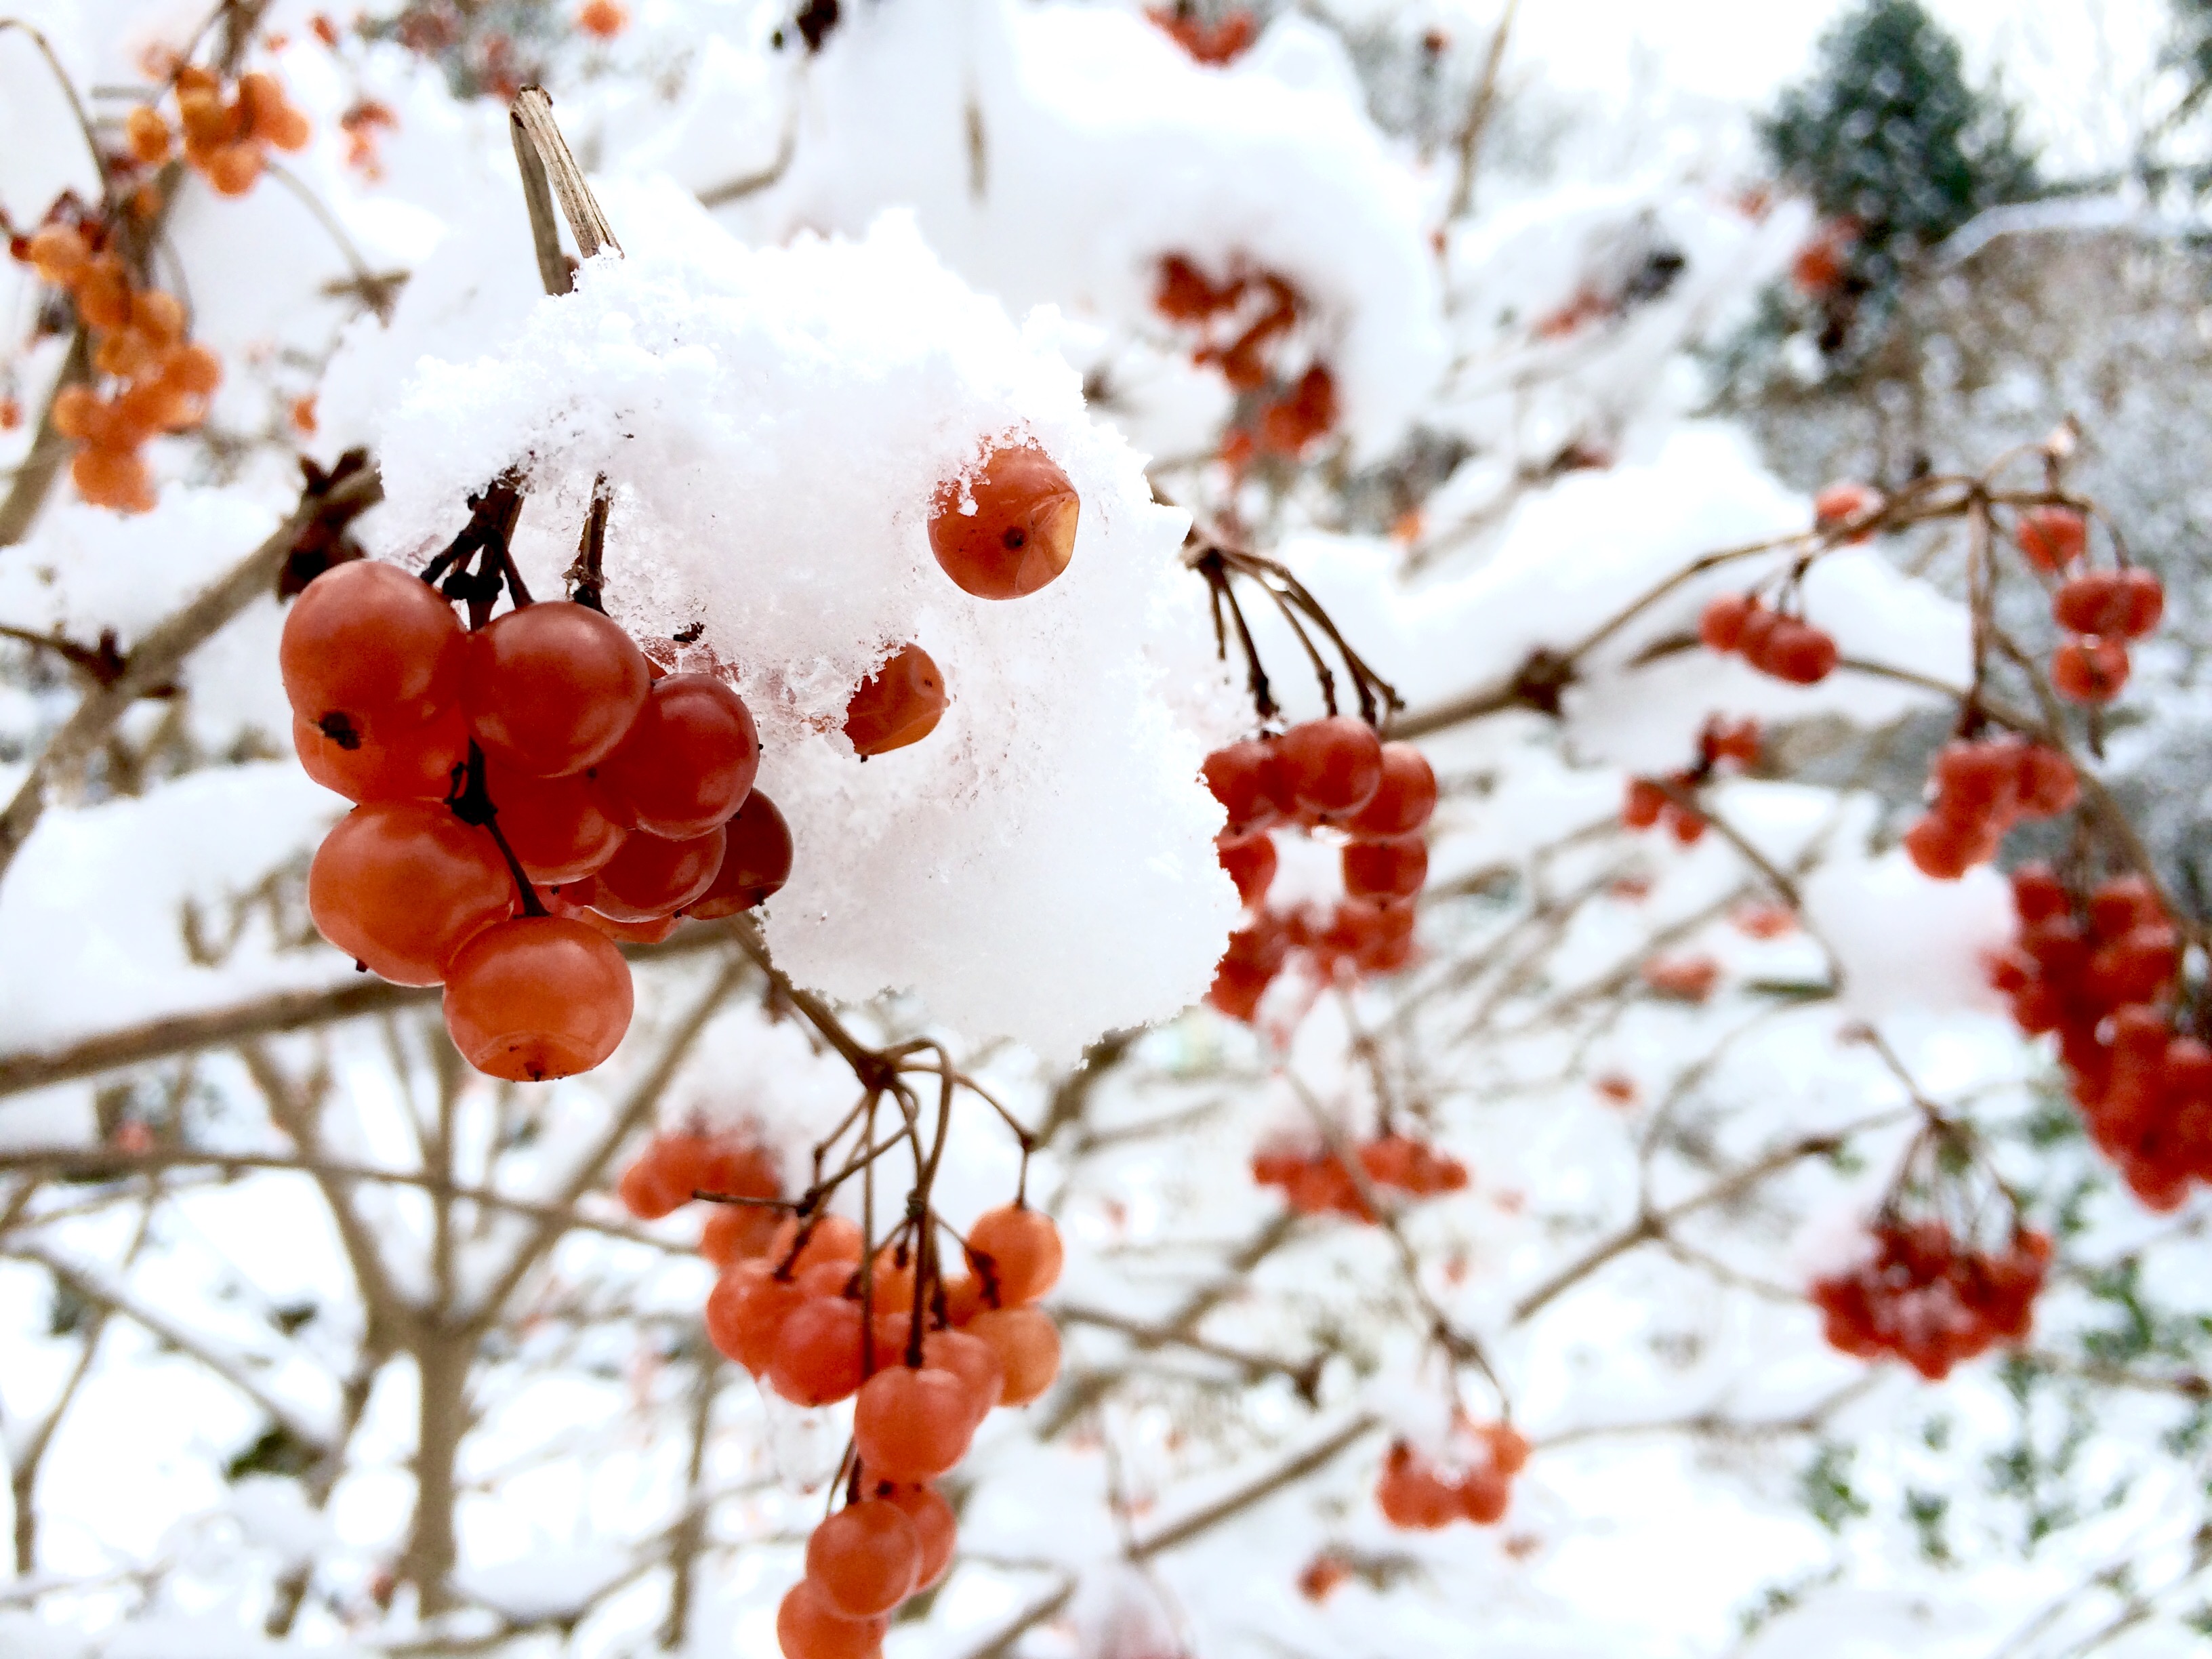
x,y
1017,536
339,729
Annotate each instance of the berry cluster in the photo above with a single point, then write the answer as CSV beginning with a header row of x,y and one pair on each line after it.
x,y
1416,1496
1315,1181
2101,610
1929,1300
1982,789
543,749
1220,42
925,1360
1649,803
1772,642
674,1168
1244,323
2103,976
158,381
1333,772
227,139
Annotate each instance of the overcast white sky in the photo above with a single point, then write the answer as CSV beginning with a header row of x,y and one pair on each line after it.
x,y
2078,67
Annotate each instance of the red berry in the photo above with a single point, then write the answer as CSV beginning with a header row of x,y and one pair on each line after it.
x,y
2048,784
650,875
2143,597
816,1358
1642,807
537,997
2093,602
1720,626
553,826
1022,532
807,1627
1246,778
756,861
933,1523
368,648
1403,802
913,1424
1938,849
1332,767
413,763
974,1361
1840,503
400,886
1027,1343
551,689
1386,869
746,1310
899,704
1017,1251
1799,653
687,761
2090,669
738,1232
2037,893
864,1560
1250,862
2052,538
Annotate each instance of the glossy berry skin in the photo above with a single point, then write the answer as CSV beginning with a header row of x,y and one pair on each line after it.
x,y
1403,802
1386,869
537,998
650,875
898,705
1027,1343
1333,767
686,763
1021,1249
400,886
553,826
552,688
368,648
816,1358
913,1424
756,861
2145,597
864,1560
974,1361
1022,533
934,1524
415,762
806,1627
1246,778
2090,669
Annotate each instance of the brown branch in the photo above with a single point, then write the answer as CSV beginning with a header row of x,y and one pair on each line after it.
x,y
49,450
156,657
537,137
176,1035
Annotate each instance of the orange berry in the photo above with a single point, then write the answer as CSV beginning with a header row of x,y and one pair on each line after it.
x,y
1016,1251
1027,1343
116,479
193,368
603,20
147,135
1021,534
898,705
863,1560
103,293
234,169
157,315
58,253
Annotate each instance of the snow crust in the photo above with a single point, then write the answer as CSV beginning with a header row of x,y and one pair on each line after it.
x,y
773,425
